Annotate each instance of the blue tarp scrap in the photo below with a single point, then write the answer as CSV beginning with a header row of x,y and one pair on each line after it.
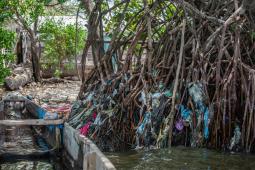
x,y
41,115
98,120
200,106
185,112
114,93
155,100
168,93
146,120
161,85
41,112
109,81
143,98
90,96
186,115
204,110
156,95
51,116
196,92
235,140
206,123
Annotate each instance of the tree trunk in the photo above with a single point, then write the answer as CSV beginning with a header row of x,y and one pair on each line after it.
x,y
19,50
76,42
35,62
21,76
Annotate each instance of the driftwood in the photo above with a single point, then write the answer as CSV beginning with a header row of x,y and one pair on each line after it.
x,y
53,80
19,78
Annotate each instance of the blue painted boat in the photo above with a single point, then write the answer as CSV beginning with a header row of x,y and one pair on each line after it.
x,y
78,152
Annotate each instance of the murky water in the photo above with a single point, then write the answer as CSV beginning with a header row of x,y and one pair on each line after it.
x,y
181,158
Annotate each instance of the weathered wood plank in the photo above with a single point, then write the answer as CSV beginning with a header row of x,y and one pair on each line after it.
x,y
35,122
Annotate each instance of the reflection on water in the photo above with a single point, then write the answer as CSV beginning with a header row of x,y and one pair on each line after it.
x,y
181,158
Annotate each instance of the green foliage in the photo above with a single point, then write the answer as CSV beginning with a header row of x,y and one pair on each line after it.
x,y
25,12
133,16
133,9
57,73
252,35
6,42
59,43
161,12
29,10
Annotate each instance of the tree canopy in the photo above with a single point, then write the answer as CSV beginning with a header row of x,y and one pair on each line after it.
x,y
59,43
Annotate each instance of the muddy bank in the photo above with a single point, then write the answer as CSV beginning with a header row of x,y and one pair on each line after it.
x,y
50,96
65,90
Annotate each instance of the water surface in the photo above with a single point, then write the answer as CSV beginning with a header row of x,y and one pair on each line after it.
x,y
181,158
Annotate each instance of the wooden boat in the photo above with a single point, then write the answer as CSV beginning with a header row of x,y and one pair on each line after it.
x,y
78,152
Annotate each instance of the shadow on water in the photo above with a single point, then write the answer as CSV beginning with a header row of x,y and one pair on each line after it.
x,y
180,158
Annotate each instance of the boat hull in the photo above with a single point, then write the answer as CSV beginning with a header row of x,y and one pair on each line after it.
x,y
79,153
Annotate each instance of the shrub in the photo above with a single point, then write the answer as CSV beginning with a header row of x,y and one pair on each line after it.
x,y
6,53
